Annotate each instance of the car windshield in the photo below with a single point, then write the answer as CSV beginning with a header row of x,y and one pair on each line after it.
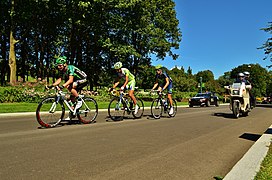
x,y
202,95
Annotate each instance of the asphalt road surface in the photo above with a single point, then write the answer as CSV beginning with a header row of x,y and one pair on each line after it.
x,y
199,143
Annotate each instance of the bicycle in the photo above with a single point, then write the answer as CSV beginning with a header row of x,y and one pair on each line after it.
x,y
161,104
51,110
121,103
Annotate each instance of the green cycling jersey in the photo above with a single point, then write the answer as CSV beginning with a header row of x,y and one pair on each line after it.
x,y
125,72
73,71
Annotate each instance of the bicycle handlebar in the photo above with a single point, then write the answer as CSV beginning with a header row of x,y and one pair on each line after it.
x,y
54,87
158,92
58,89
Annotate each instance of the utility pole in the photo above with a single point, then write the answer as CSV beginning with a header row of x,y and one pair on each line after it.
x,y
200,84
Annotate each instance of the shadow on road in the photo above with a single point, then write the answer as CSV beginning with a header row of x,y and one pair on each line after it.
x,y
264,105
254,137
225,115
268,131
250,136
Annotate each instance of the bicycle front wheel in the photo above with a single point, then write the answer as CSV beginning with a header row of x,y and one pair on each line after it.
x,y
140,112
156,108
49,113
116,109
175,108
89,111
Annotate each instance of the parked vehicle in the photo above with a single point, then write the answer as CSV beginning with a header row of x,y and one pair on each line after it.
x,y
204,99
266,100
239,99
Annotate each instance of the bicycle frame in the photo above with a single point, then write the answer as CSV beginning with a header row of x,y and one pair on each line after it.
x,y
123,99
161,105
60,96
51,110
162,98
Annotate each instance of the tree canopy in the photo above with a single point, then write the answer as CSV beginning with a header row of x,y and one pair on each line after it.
x,y
267,46
92,34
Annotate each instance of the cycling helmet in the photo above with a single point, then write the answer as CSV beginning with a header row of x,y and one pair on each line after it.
x,y
158,66
246,73
61,60
118,65
241,75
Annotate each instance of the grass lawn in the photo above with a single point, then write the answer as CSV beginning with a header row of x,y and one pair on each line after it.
x,y
31,107
265,172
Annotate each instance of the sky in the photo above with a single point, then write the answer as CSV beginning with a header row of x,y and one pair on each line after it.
x,y
219,35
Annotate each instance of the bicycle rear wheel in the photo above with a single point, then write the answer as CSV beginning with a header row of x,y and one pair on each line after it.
x,y
116,110
156,108
49,113
140,112
89,111
175,108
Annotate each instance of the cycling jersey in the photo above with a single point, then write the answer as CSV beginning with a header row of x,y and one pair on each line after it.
x,y
73,71
125,72
131,78
161,79
163,76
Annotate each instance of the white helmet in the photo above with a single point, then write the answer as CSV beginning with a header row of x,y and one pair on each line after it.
x,y
246,73
241,75
118,65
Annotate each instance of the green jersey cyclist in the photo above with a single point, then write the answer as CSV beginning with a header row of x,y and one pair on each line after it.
x,y
128,84
166,84
75,79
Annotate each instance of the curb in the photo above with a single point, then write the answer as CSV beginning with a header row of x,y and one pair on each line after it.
x,y
249,165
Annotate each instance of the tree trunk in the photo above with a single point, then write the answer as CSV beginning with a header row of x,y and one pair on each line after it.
x,y
4,68
12,59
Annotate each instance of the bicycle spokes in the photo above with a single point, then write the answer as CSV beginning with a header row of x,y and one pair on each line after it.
x,y
89,111
53,107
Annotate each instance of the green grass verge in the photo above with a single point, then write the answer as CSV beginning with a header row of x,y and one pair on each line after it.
x,y
265,172
31,107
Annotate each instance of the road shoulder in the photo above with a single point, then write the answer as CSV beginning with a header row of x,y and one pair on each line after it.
x,y
248,166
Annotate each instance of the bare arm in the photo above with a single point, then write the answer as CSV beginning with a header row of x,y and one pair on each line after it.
x,y
166,84
70,80
126,82
57,82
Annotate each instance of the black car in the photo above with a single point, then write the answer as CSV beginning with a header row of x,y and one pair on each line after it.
x,y
202,99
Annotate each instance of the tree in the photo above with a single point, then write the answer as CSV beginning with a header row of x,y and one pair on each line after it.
x,y
12,42
206,75
259,77
92,34
267,46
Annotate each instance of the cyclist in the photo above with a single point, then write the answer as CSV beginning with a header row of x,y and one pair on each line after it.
x,y
128,84
167,83
74,77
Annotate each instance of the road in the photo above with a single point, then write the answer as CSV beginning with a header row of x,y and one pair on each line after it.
x,y
199,143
